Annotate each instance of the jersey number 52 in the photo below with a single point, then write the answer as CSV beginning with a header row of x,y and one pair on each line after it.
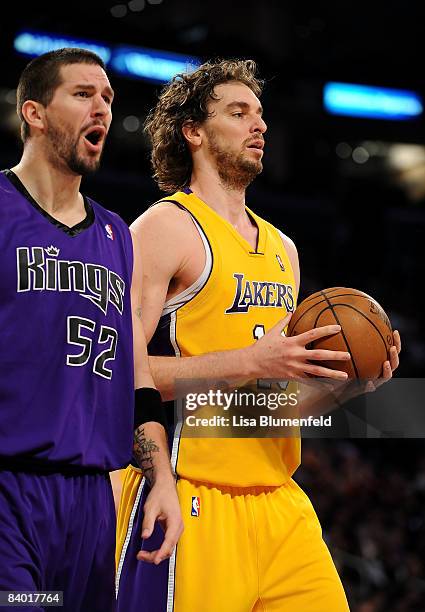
x,y
80,332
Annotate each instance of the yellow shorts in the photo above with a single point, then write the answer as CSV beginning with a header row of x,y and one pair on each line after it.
x,y
243,550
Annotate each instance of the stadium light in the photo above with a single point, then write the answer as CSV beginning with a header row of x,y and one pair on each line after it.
x,y
150,64
34,43
371,102
136,62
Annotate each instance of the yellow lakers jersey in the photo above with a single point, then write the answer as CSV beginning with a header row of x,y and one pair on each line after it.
x,y
241,294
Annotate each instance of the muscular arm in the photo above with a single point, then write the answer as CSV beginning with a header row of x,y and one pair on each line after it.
x,y
150,443
168,240
150,447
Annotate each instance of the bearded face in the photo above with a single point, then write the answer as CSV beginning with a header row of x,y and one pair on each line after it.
x,y
236,167
66,148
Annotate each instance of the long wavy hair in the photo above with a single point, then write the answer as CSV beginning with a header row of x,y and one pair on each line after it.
x,y
186,99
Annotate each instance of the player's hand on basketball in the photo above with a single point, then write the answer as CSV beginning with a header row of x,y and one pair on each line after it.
x,y
389,366
162,505
345,391
288,358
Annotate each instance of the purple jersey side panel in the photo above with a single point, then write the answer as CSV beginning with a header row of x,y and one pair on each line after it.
x,y
66,358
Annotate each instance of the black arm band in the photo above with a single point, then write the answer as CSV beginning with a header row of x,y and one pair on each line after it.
x,y
148,407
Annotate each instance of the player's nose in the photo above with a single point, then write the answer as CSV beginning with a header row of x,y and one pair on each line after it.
x,y
259,125
100,106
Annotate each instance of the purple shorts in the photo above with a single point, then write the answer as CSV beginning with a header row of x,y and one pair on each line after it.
x,y
57,533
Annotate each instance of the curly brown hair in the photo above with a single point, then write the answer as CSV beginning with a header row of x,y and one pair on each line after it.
x,y
186,99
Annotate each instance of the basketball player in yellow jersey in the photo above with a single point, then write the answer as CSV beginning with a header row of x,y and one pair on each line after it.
x,y
219,286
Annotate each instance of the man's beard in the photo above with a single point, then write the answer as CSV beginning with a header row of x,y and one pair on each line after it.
x,y
235,171
64,149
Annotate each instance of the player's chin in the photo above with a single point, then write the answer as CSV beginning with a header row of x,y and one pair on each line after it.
x,y
92,167
85,167
258,165
91,161
93,156
254,167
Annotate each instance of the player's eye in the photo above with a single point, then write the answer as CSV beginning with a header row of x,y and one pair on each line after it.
x,y
237,114
107,99
82,94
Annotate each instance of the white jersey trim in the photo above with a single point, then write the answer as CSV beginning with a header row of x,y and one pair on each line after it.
x,y
179,300
173,461
128,535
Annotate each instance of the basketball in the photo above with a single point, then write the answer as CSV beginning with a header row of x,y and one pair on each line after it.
x,y
366,331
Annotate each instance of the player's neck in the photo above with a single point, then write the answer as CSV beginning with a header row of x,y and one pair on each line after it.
x,y
227,202
54,189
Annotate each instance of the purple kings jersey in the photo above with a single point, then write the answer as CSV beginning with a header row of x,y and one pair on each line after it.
x,y
66,357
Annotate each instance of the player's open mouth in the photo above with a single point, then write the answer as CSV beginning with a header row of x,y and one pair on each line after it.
x,y
94,138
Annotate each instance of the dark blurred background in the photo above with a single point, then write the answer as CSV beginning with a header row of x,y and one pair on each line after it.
x,y
349,191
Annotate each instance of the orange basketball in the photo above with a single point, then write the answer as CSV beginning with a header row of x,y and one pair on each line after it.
x,y
366,331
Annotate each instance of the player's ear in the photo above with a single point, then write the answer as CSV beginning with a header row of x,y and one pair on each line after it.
x,y
192,133
33,113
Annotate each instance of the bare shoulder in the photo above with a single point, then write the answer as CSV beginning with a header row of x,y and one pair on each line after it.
x,y
165,229
164,219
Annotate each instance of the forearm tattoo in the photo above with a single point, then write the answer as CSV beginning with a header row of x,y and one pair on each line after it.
x,y
144,453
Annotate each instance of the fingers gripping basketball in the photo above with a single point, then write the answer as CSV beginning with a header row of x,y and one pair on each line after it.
x,y
365,329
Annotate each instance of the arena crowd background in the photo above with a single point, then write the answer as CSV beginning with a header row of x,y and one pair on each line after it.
x,y
349,190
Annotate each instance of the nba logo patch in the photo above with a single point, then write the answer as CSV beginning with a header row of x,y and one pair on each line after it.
x,y
196,506
109,232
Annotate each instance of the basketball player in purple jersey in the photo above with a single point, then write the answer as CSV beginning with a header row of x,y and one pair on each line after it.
x,y
68,409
